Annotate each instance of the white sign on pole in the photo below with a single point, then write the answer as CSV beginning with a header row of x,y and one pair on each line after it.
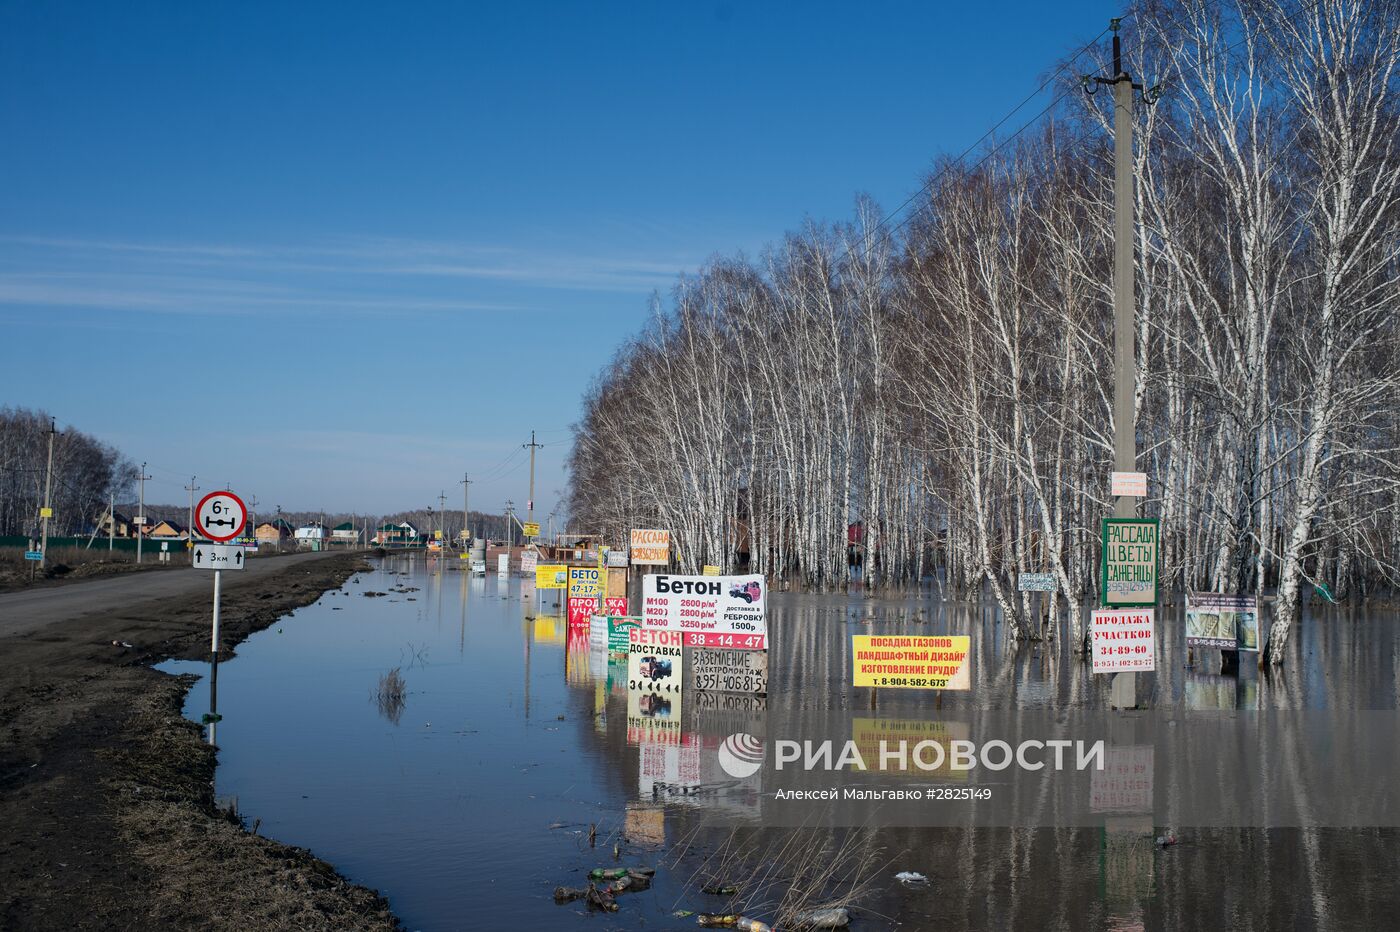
x,y
1131,484
220,516
503,565
218,557
528,561
1124,640
1036,582
712,611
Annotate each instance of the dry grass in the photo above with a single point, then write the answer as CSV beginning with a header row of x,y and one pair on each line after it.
x,y
391,695
782,874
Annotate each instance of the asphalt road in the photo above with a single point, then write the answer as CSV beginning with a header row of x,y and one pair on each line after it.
x,y
30,610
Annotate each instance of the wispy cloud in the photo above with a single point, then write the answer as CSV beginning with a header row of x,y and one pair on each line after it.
x,y
346,275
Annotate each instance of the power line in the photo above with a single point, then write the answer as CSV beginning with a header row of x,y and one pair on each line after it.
x,y
928,185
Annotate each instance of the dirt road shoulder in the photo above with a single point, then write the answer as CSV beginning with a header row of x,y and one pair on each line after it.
x,y
108,789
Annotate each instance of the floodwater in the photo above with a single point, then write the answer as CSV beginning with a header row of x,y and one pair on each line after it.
x,y
470,800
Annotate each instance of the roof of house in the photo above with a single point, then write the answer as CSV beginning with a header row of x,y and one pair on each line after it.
x,y
345,526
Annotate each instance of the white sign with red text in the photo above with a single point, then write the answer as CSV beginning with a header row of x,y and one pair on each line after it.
x,y
1124,640
711,611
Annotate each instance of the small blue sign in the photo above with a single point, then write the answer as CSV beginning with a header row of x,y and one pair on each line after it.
x,y
34,554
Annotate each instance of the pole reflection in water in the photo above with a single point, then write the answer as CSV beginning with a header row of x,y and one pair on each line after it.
x,y
212,717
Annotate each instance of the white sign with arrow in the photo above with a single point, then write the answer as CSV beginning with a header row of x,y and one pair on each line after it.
x,y
218,556
219,516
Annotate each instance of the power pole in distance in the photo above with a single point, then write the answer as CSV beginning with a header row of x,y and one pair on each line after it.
x,y
189,538
466,515
442,516
510,524
48,502
530,502
141,513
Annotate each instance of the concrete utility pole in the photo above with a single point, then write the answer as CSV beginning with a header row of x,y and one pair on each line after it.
x,y
530,503
442,516
1123,693
141,513
466,484
189,538
111,523
510,524
48,502
253,520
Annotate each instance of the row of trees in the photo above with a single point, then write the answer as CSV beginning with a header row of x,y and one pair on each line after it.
x,y
85,472
947,381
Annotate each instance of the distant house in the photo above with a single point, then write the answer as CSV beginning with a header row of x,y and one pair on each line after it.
x,y
345,533
272,532
310,532
167,530
396,535
114,524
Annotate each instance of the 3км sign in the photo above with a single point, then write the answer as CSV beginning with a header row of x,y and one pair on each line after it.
x,y
1131,558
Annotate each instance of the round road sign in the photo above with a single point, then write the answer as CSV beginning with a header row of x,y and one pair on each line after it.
x,y
220,516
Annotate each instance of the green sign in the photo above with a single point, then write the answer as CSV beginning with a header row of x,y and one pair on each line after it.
x,y
1131,562
618,628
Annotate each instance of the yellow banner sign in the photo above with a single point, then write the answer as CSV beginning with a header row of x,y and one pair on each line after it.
x,y
532,529
710,570
46,512
896,747
911,661
551,576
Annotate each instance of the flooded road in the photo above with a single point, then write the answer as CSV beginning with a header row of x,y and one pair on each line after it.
x,y
467,802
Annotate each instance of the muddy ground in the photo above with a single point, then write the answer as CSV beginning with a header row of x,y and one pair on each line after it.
x,y
106,790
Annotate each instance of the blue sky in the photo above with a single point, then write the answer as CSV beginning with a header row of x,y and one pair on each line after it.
x,y
337,254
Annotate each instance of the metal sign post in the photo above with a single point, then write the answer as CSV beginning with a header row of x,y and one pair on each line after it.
x,y
221,516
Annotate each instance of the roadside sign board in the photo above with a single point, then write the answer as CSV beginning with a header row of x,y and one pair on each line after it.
x,y
1131,484
1130,562
1223,620
581,610
716,669
1124,640
34,554
617,559
503,565
218,557
651,547
615,605
551,576
618,628
912,661
655,661
585,582
532,529
710,570
1036,582
220,516
529,562
712,611
46,512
